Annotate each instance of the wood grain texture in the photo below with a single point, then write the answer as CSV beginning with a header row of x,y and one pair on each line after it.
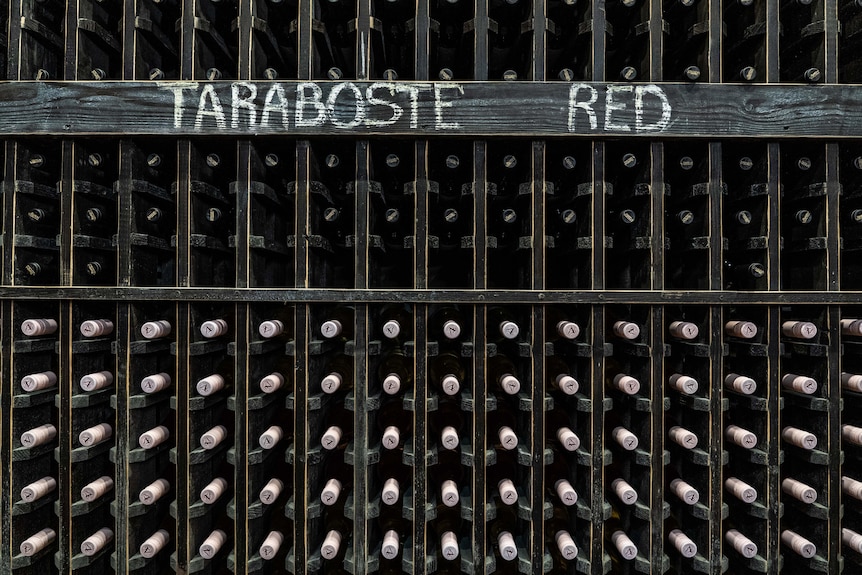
x,y
535,109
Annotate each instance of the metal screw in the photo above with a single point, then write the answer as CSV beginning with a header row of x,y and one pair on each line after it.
x,y
628,73
334,73
156,74
332,161
392,215
745,163
271,160
393,161
569,162
450,215
566,74
452,161
213,214
94,160
749,73
686,163
445,74
692,73
627,216
154,160
213,160
630,160
154,214
213,74
36,161
510,161
270,74
804,163
568,216
509,216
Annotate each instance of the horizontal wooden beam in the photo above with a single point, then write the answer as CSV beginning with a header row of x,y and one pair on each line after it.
x,y
534,109
490,296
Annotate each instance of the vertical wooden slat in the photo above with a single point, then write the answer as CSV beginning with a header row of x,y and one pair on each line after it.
x,y
63,453
773,455
481,47
597,396
538,179
7,387
834,443
480,235
716,394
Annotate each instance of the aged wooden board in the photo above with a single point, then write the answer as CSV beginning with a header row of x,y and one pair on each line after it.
x,y
405,108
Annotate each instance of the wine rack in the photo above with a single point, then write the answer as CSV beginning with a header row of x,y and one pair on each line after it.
x,y
443,348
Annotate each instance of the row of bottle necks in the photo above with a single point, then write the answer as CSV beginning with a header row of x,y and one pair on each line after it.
x,y
448,430
451,326
451,28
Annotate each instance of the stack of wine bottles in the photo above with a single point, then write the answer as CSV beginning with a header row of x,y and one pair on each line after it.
x,y
463,353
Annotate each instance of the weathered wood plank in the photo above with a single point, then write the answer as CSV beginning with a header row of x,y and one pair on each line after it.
x,y
536,109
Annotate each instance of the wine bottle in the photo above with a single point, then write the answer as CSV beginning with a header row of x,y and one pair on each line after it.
x,y
156,329
799,490
558,374
557,481
271,545
212,438
684,384
682,489
740,489
270,328
38,489
271,382
851,433
395,475
799,329
504,373
741,543
154,491
799,437
446,477
97,327
446,322
685,330
38,436
558,428
501,531
851,382
447,424
97,541
624,438
851,487
740,383
38,381
213,490
339,375
558,535
446,527
37,542
153,544
620,381
393,527
447,373
622,543
210,385
212,544
95,489
270,438
95,435
626,330
338,324
38,327
339,430
155,383
624,491
501,422
851,327
740,329
680,541
271,491
560,326
799,383
682,437
395,321
851,539
502,323
395,424
395,372
740,436
337,530
800,545
214,328
96,381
